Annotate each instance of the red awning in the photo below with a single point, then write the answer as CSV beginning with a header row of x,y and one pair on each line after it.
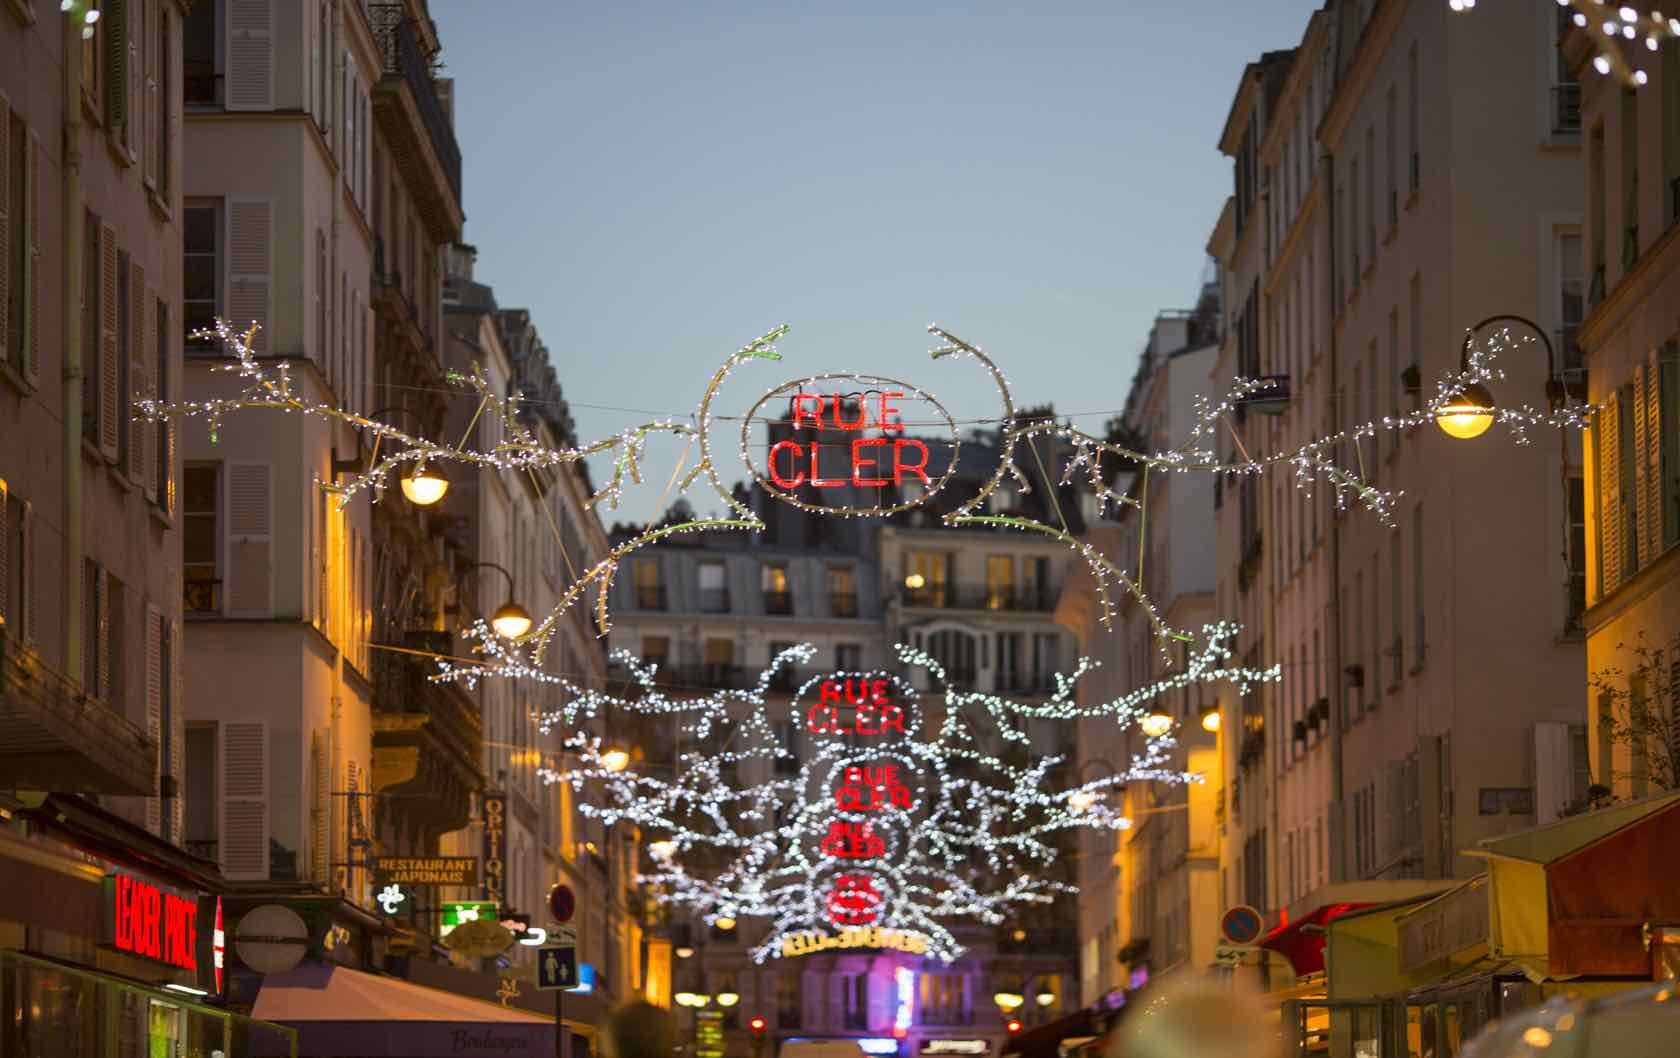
x,y
1303,947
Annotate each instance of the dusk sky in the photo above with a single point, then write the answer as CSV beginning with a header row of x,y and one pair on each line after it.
x,y
660,183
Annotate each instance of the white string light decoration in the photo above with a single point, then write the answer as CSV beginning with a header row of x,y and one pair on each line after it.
x,y
1612,27
902,816
1312,463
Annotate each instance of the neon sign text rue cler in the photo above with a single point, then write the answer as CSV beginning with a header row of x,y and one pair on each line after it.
x,y
873,711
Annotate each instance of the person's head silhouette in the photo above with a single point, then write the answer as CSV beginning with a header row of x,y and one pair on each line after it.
x,y
639,1029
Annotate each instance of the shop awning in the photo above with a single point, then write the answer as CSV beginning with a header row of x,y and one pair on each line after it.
x,y
339,1011
1368,949
1574,896
1301,941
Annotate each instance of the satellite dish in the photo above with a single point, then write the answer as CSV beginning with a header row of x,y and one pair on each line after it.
x,y
271,939
481,938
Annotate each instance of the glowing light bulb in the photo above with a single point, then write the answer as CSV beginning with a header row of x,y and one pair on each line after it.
x,y
424,486
728,999
1640,77
915,581
724,922
662,850
1210,720
511,621
1467,415
1080,800
617,759
1601,64
1156,724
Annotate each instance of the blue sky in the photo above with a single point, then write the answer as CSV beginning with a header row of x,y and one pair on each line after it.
x,y
660,183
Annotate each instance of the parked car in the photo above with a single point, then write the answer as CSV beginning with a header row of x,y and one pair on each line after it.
x,y
1640,1023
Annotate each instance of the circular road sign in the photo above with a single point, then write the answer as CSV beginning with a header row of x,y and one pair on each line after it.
x,y
271,939
1241,925
562,902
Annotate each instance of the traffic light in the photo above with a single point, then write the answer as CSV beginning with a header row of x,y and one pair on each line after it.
x,y
757,1026
1013,1026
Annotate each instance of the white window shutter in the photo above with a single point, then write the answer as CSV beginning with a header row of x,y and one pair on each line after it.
x,y
1605,426
32,266
154,711
146,451
250,54
6,221
10,625
177,728
102,621
249,229
108,324
320,852
249,591
138,367
1650,458
1641,544
148,101
26,575
242,784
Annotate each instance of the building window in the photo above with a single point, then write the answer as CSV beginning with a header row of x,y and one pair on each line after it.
x,y
790,1000
162,107
125,351
1413,118
926,580
1566,91
91,318
855,996
1572,302
201,576
778,599
720,662
1576,595
650,592
943,1000
1418,600
848,657
842,592
16,268
1000,582
714,592
201,278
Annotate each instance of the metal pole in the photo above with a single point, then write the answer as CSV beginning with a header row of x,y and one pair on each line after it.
x,y
559,1025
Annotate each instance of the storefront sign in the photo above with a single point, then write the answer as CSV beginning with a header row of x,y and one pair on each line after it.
x,y
147,920
428,870
495,846
954,1047
708,1034
809,942
460,912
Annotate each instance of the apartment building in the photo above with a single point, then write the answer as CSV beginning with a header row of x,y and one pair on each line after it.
x,y
1149,897
1631,350
524,538
93,772
1418,713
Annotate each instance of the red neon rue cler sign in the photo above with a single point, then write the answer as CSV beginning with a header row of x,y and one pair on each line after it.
x,y
875,460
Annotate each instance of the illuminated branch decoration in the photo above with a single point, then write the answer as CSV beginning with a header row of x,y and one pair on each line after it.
x,y
1610,27
899,816
1335,461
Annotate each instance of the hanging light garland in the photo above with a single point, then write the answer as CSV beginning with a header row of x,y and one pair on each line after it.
x,y
1611,27
900,816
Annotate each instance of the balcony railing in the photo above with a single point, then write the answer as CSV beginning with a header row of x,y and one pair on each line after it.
x,y
201,595
979,597
714,600
650,597
56,737
401,57
1569,350
778,602
947,1018
1566,108
1023,682
843,604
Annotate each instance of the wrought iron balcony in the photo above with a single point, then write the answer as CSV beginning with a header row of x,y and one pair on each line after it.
x,y
650,597
979,597
843,604
428,738
1566,107
56,737
778,603
413,119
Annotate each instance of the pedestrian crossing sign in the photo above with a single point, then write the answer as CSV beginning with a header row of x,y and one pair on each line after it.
x,y
557,968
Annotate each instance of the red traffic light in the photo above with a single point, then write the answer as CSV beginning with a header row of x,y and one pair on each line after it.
x,y
1012,1026
757,1025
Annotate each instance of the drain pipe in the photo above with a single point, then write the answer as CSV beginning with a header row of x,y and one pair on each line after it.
x,y
74,228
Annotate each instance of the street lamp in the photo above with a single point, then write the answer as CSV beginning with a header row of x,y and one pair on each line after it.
x,y
1045,998
1157,723
424,485
728,999
1008,1001
1470,413
915,581
1211,719
510,620
616,759
724,922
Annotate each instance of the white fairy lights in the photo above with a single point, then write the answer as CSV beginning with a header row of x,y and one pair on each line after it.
x,y
1605,24
902,815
